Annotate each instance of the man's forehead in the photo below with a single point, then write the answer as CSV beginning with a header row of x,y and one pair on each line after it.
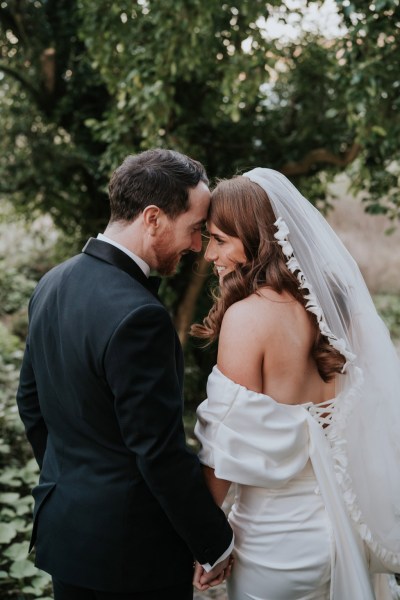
x,y
199,205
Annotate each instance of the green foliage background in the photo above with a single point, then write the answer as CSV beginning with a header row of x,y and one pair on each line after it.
x,y
19,472
86,82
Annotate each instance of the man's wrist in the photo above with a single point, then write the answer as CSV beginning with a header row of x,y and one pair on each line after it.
x,y
207,567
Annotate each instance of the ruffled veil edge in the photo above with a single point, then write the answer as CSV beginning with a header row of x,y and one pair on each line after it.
x,y
364,419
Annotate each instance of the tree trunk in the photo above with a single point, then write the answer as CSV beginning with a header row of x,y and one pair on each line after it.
x,y
185,313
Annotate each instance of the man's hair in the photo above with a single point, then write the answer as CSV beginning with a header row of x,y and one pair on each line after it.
x,y
158,176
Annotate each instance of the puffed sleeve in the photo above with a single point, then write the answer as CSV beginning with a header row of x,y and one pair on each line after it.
x,y
248,437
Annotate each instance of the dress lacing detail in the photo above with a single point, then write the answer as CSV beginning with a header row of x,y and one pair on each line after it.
x,y
322,412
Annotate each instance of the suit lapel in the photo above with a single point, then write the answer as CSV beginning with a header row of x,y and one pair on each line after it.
x,y
114,256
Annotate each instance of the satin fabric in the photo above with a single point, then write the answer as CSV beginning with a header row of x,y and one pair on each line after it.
x,y
284,546
293,537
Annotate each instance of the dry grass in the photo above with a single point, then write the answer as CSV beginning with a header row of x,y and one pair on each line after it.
x,y
377,254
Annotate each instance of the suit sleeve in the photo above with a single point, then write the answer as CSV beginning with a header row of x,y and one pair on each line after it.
x,y
141,371
29,408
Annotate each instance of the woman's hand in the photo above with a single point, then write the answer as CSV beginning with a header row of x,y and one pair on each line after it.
x,y
201,579
198,572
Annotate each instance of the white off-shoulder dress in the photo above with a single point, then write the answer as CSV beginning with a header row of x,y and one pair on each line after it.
x,y
294,539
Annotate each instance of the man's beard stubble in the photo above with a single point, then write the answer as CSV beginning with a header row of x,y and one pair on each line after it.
x,y
167,262
167,265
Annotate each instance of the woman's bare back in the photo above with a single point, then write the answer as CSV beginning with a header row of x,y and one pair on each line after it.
x,y
265,344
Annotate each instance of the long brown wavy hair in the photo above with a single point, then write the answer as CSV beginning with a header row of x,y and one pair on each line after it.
x,y
241,208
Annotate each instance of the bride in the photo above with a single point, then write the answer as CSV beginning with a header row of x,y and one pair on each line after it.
x,y
303,407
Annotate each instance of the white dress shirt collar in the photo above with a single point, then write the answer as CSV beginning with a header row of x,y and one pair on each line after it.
x,y
139,261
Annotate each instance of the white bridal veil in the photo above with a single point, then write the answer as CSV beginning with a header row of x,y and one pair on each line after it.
x,y
364,431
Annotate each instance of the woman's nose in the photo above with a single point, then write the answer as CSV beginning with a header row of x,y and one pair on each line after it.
x,y
209,254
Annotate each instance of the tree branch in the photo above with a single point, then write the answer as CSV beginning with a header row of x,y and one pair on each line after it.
x,y
27,85
321,155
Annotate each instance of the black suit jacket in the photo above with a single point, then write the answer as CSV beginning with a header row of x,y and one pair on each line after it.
x,y
121,504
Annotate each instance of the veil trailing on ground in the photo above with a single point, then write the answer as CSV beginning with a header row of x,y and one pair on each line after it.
x,y
364,422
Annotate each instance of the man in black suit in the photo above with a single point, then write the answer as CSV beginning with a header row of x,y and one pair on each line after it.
x,y
121,508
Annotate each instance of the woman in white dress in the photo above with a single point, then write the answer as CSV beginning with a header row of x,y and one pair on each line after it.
x,y
303,406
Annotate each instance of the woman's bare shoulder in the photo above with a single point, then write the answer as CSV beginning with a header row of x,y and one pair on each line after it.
x,y
261,308
261,324
250,323
240,347
242,314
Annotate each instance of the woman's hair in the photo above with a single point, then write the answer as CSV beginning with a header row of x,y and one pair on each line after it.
x,y
241,208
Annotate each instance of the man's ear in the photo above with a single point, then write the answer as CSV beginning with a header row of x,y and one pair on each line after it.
x,y
152,217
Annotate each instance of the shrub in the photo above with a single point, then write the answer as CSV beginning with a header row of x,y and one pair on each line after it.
x,y
19,578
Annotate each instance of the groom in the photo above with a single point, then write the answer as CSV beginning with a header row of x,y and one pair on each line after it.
x,y
121,508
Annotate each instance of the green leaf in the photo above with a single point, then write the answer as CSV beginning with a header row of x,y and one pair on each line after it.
x,y
28,589
380,5
379,130
41,581
22,525
23,510
30,468
6,511
7,532
22,568
331,113
18,551
9,498
8,477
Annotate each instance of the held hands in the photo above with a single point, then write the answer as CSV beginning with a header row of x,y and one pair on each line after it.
x,y
203,580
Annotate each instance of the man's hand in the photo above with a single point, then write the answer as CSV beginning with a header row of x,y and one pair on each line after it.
x,y
203,580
